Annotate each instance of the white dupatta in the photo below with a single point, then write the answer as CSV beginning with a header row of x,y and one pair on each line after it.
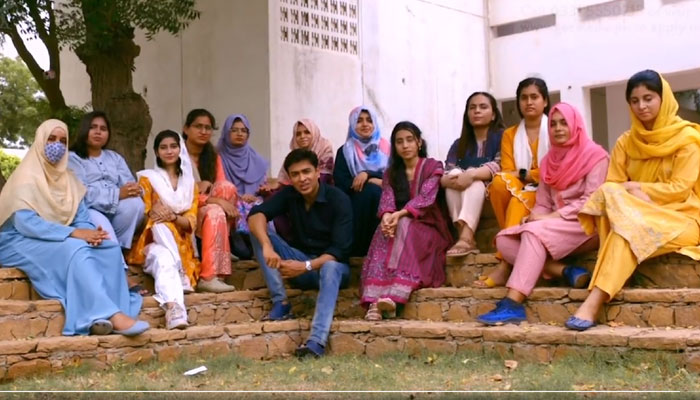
x,y
178,200
521,148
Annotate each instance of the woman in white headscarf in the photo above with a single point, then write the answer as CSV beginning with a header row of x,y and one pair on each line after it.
x,y
45,231
165,246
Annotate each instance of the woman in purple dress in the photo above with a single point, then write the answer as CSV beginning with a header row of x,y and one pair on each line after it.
x,y
408,248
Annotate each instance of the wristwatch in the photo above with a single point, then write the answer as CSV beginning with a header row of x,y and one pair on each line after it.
x,y
307,265
523,174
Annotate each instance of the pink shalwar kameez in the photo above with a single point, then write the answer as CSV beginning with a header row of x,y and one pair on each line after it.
x,y
528,246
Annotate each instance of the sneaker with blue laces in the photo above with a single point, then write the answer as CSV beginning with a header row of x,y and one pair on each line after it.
x,y
280,311
507,312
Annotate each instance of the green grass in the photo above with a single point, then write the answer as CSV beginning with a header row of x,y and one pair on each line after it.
x,y
600,371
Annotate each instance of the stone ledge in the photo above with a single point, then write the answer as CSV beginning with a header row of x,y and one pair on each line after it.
x,y
21,319
267,340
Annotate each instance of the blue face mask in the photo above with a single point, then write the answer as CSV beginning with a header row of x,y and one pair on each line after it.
x,y
54,151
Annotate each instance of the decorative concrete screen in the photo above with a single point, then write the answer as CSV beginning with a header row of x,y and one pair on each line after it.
x,y
323,24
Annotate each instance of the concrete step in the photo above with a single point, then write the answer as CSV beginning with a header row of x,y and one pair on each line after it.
x,y
267,340
22,319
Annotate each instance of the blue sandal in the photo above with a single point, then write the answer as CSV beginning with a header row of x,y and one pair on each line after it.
x,y
577,276
137,328
578,324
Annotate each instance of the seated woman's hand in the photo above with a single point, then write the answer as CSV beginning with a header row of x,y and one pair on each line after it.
x,y
464,180
204,187
130,189
229,208
161,213
359,182
449,181
249,198
635,189
93,237
268,187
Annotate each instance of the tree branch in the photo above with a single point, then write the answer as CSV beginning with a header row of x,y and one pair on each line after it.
x,y
36,17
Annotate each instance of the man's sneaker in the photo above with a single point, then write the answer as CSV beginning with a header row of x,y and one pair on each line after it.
x,y
310,349
175,318
214,285
280,312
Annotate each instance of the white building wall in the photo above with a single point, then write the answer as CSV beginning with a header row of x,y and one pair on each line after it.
x,y
416,60
575,55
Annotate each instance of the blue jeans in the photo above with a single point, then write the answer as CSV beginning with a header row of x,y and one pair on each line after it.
x,y
328,280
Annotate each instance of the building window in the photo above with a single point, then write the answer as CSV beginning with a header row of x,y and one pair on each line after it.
x,y
526,25
323,24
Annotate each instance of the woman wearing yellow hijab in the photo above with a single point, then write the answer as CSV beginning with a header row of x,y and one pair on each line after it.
x,y
650,203
45,231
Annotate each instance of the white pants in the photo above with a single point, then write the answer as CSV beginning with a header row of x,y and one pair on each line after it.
x,y
466,205
163,262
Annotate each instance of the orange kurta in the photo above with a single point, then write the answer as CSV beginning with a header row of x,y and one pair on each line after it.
x,y
510,202
213,227
190,264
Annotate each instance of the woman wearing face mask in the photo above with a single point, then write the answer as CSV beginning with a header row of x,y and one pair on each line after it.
x,y
46,232
165,246
358,171
573,169
408,248
650,202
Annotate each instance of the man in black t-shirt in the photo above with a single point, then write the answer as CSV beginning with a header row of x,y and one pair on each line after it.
x,y
317,256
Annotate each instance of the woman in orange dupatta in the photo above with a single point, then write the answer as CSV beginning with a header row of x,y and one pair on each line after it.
x,y
650,203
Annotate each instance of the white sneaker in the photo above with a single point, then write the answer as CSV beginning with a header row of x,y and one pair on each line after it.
x,y
214,285
175,318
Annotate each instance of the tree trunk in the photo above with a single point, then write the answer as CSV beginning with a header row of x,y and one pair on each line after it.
x,y
2,181
110,73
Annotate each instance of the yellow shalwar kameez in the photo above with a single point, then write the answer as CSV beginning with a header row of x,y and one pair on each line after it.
x,y
666,163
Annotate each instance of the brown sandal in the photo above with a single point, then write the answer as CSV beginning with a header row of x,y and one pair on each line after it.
x,y
461,249
373,313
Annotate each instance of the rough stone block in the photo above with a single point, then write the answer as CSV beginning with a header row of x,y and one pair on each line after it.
x,y
164,335
206,315
688,316
281,326
386,329
55,326
653,295
660,340
67,343
354,326
505,333
535,354
468,331
425,330
341,343
254,280
204,332
548,294
419,346
15,307
138,356
112,341
235,296
168,354
631,315
380,346
26,368
18,346
458,313
431,311
232,314
550,312
502,350
214,348
253,348
280,345
603,335
470,347
244,329
660,316
544,334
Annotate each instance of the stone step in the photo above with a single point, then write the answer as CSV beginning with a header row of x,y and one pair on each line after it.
x,y
267,340
670,271
22,319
